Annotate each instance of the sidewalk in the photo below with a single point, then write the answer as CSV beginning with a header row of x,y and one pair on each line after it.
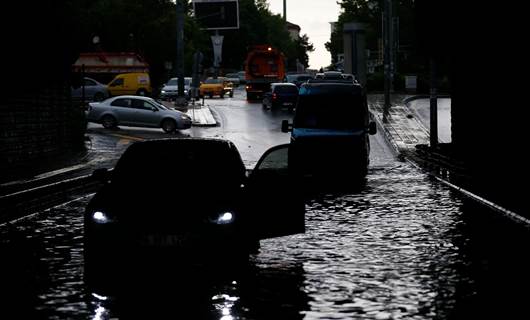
x,y
200,114
402,129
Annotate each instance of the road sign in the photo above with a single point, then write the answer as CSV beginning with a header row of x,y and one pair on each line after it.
x,y
217,14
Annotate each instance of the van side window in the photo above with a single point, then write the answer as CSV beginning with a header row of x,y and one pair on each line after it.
x,y
117,82
125,103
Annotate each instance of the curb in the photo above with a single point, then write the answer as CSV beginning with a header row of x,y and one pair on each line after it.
x,y
424,96
209,119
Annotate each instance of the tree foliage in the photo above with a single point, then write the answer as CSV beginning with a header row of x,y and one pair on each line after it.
x,y
149,28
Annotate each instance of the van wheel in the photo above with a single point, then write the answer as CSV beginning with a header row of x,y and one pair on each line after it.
x,y
169,125
108,122
141,92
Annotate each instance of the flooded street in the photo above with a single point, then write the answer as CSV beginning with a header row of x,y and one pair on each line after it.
x,y
402,247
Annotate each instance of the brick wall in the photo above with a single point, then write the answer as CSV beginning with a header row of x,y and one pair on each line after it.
x,y
37,127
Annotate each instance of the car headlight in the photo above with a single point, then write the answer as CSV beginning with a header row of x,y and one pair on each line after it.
x,y
185,117
163,91
101,218
223,218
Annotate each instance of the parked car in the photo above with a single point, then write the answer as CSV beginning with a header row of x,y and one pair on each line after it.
x,y
170,89
216,87
329,133
234,78
137,111
281,95
137,83
154,203
298,79
94,90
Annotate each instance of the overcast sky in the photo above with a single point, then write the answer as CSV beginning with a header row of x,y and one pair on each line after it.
x,y
313,16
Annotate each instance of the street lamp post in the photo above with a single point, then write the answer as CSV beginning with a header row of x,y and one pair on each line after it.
x,y
387,44
180,52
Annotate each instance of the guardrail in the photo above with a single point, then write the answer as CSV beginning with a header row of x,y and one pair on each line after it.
x,y
22,203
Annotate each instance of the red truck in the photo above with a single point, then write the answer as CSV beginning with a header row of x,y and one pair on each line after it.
x,y
263,66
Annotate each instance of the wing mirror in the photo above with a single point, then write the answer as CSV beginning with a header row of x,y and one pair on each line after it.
x,y
372,128
286,126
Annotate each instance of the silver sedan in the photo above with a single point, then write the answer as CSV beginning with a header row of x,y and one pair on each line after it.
x,y
137,111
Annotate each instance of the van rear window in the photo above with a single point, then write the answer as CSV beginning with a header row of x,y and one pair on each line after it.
x,y
286,89
331,111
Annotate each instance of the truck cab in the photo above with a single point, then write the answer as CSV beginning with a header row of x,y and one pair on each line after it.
x,y
264,65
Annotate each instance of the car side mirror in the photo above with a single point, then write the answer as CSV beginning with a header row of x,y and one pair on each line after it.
x,y
286,126
101,175
154,109
372,128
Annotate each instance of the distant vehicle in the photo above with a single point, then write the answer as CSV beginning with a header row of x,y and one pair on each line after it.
x,y
329,133
137,111
263,66
137,213
241,75
94,91
335,75
234,78
131,84
216,87
298,79
281,95
170,89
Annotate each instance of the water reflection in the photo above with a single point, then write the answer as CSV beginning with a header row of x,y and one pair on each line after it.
x,y
248,291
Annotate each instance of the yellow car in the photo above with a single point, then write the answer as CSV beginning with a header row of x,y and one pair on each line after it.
x,y
130,84
216,87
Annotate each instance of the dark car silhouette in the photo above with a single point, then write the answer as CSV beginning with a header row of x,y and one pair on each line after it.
x,y
191,199
282,95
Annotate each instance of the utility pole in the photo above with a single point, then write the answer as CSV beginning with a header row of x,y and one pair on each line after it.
x,y
285,10
387,47
180,50
433,106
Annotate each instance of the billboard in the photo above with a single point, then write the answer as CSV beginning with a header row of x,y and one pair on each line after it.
x,y
217,14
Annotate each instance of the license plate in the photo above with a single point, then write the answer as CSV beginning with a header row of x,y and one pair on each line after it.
x,y
287,103
165,240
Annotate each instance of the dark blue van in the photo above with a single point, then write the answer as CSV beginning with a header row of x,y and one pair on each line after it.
x,y
329,133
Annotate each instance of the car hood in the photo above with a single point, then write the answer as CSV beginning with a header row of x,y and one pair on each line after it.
x,y
174,88
211,85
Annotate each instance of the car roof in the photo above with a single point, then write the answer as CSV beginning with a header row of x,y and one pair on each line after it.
x,y
287,84
330,87
132,97
186,157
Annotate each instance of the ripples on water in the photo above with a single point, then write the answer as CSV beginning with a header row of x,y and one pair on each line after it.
x,y
393,250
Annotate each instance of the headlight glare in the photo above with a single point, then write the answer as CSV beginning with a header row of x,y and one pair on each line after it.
x,y
100,217
223,218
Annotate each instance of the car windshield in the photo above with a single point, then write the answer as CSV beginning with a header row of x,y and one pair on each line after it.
x,y
331,111
159,105
191,162
213,81
172,82
286,89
